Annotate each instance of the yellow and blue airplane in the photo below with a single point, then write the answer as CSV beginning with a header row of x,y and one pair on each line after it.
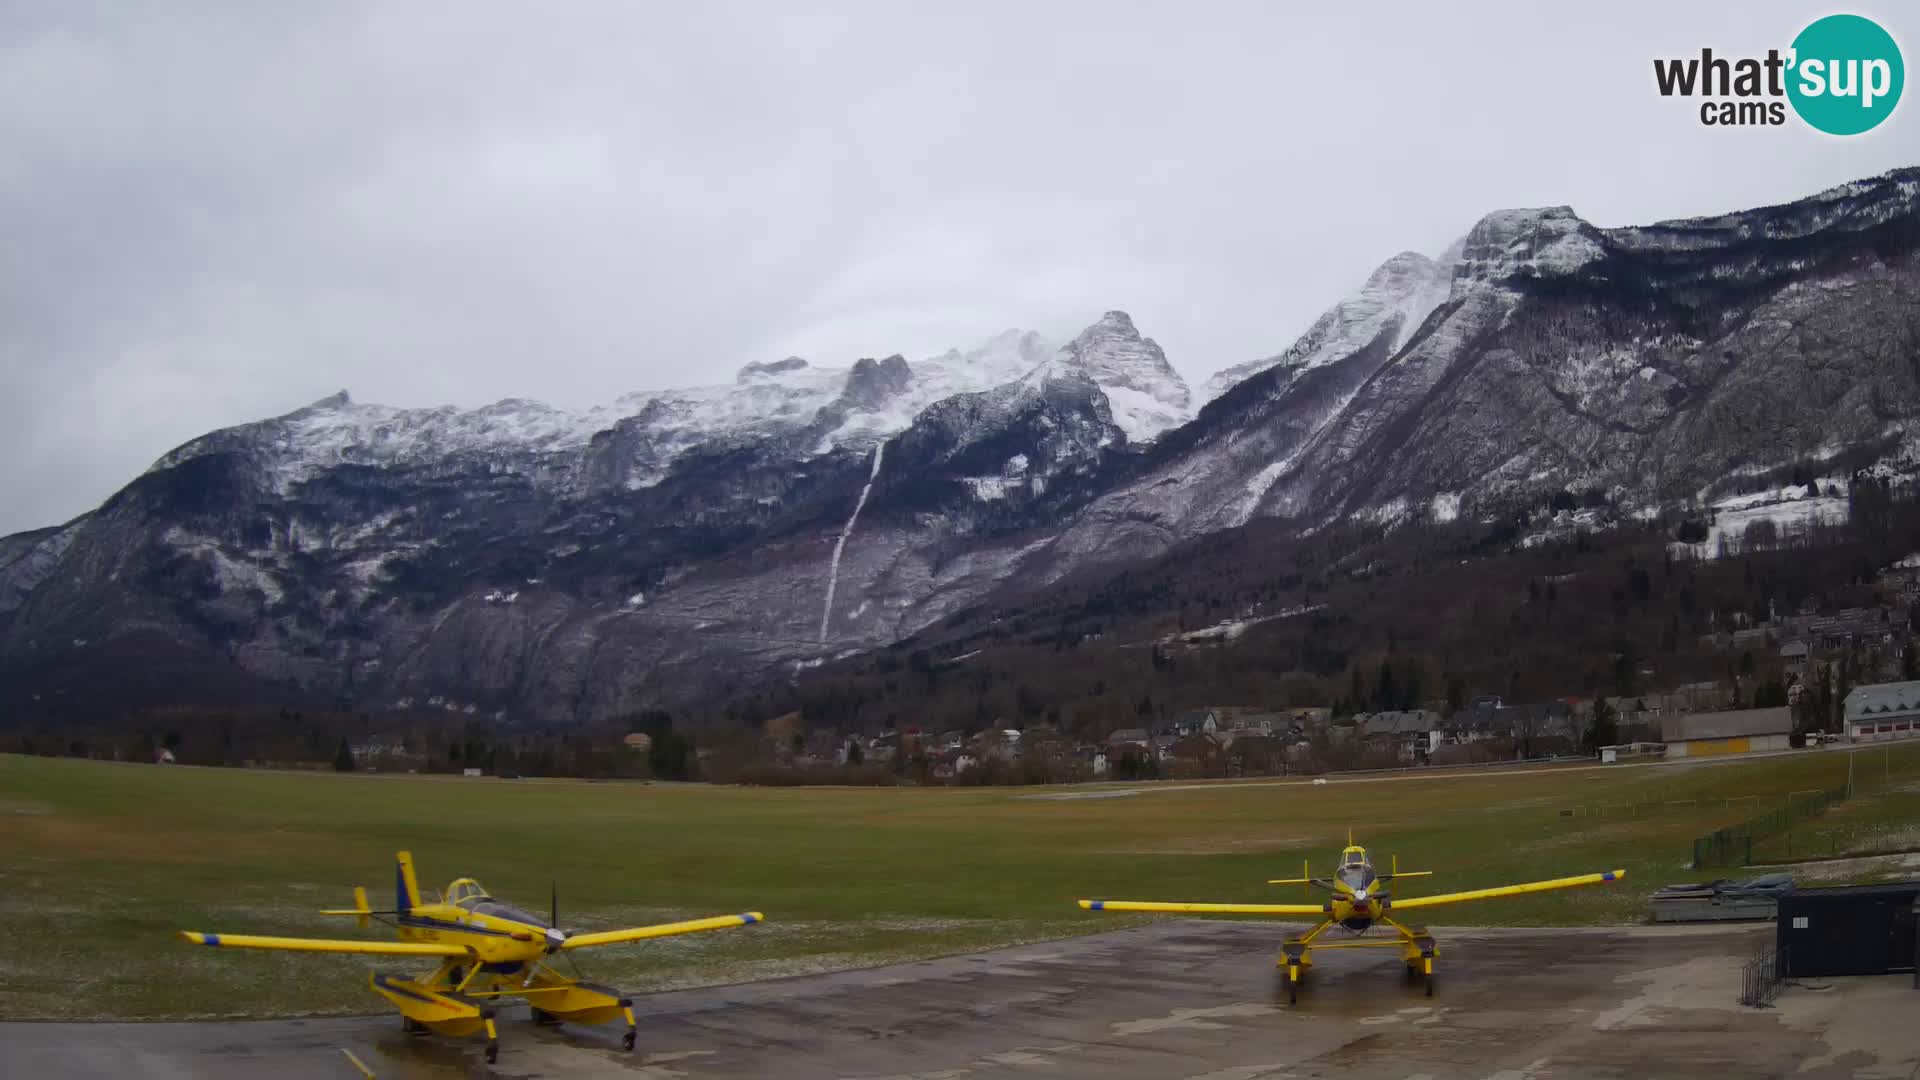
x,y
487,950
1359,902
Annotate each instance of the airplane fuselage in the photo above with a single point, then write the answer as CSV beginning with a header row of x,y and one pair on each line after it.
x,y
496,941
1357,901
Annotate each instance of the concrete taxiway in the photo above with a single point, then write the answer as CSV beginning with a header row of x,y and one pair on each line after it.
x,y
1191,1000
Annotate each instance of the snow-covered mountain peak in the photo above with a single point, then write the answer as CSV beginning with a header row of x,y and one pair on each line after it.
x,y
1540,242
1405,264
760,369
1001,358
872,382
1397,297
339,399
1146,394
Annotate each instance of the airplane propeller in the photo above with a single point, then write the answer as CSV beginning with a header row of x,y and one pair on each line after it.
x,y
555,936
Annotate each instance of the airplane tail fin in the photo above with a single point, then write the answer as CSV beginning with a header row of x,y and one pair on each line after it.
x,y
359,910
406,887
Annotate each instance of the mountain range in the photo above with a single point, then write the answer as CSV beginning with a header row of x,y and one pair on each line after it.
x,y
532,565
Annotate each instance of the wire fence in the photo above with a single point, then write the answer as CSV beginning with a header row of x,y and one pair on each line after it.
x,y
1760,977
1734,845
1654,808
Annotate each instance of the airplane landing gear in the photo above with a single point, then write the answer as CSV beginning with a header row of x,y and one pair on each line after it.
x,y
626,1041
1295,958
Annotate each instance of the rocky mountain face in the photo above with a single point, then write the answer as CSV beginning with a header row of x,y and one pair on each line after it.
x,y
532,565
525,563
1653,364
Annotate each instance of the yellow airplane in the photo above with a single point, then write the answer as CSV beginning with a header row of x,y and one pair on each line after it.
x,y
487,950
1359,901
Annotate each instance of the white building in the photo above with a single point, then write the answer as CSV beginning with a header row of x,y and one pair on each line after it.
x,y
1883,711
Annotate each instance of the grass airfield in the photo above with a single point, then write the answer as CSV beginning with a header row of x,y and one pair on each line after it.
x,y
100,863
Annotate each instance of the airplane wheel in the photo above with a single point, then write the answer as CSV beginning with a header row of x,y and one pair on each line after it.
x,y
411,1026
1429,984
1293,989
626,1041
543,1017
493,1053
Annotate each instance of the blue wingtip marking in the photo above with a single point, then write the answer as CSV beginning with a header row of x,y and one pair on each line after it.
x,y
212,939
1608,876
748,919
1099,905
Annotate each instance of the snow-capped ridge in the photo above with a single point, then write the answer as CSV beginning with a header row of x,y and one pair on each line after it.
x,y
763,368
1536,242
1396,299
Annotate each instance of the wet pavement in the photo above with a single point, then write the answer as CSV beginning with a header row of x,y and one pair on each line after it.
x,y
1190,1000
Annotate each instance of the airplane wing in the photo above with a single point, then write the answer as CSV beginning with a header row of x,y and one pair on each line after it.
x,y
1205,909
1397,904
641,933
300,944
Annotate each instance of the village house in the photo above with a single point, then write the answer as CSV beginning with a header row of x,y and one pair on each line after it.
x,y
1189,722
1794,656
1412,734
1882,711
1901,581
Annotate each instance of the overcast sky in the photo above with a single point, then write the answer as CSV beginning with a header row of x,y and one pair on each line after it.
x,y
211,213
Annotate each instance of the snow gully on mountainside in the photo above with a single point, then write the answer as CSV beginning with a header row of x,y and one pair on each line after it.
x,y
833,567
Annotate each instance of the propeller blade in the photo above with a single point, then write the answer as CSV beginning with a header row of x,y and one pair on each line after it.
x,y
554,915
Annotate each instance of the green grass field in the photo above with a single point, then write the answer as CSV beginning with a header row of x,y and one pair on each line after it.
x,y
99,863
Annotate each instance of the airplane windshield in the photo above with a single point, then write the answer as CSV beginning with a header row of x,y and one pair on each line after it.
x,y
506,911
1356,870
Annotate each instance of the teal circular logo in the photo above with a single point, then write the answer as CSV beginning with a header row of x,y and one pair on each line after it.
x,y
1846,75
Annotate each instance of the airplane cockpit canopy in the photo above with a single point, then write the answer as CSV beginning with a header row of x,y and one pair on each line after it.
x,y
470,894
1356,870
507,911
